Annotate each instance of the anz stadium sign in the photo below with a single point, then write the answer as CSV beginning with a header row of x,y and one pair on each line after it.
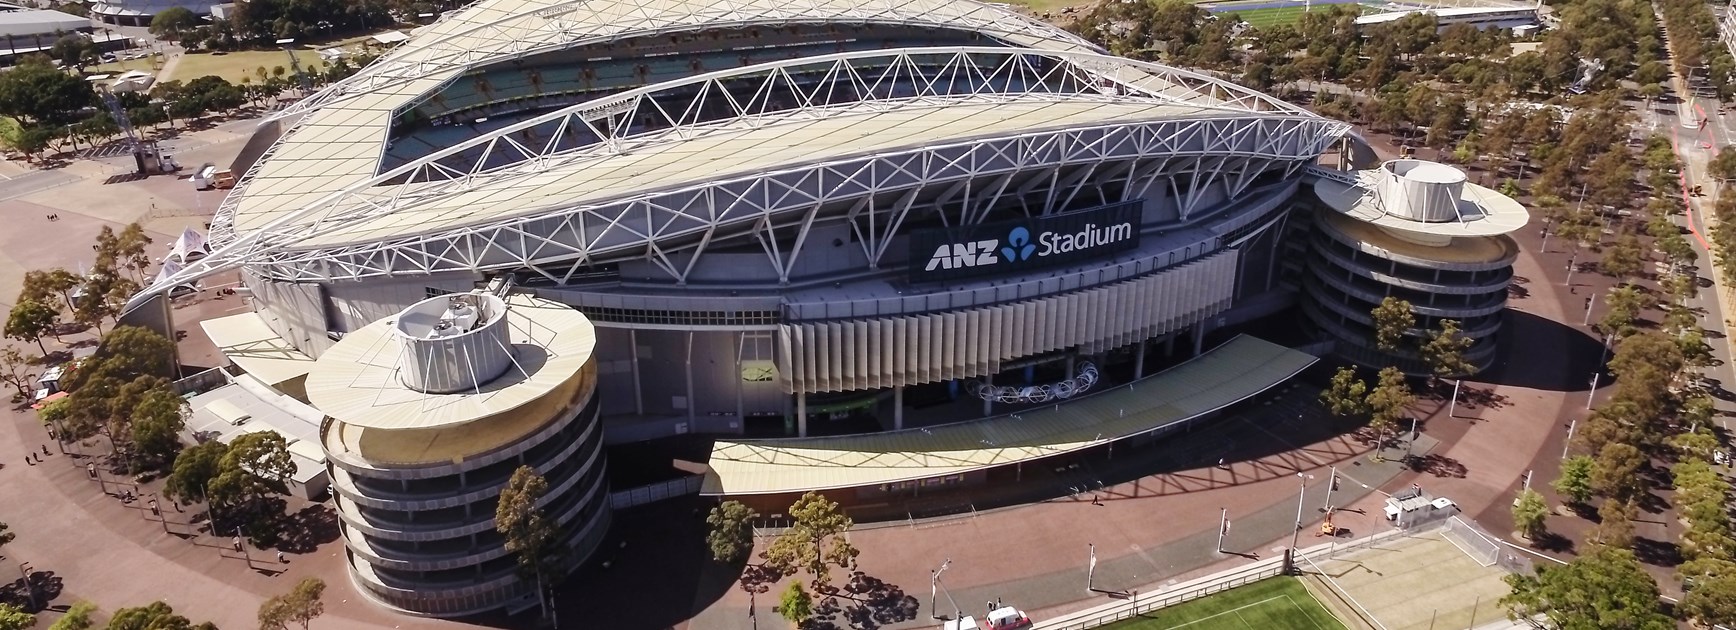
x,y
943,254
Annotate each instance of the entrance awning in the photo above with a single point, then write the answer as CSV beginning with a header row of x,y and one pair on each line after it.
x,y
1235,371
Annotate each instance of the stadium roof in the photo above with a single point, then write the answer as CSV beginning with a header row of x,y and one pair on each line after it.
x,y
1230,373
320,185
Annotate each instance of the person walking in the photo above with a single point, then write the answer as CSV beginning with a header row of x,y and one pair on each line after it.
x,y
280,559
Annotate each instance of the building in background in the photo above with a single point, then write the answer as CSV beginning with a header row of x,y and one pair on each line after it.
x,y
140,12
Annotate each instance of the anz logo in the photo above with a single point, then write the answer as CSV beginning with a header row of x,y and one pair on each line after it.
x,y
1021,247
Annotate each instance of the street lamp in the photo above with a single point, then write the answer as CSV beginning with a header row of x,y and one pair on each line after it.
x,y
933,588
1302,490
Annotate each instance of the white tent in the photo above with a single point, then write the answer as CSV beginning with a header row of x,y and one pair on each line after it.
x,y
169,269
189,247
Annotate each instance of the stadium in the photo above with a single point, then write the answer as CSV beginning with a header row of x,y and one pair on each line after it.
x,y
902,222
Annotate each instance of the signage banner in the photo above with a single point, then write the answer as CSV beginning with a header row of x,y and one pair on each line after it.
x,y
1005,247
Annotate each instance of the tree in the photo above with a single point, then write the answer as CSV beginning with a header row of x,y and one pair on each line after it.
x,y
731,535
1445,350
156,427
171,23
1574,484
154,616
1388,401
1392,319
15,371
6,536
30,320
796,604
1711,600
257,464
815,542
42,96
529,532
131,248
78,617
1615,527
1347,395
126,353
1529,514
194,469
1616,474
14,618
1625,305
1604,589
300,606
1623,260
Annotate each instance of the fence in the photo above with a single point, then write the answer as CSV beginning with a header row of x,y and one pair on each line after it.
x,y
1138,605
1212,584
202,382
652,493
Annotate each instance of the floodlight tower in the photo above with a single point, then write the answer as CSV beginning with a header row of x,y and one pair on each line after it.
x,y
295,65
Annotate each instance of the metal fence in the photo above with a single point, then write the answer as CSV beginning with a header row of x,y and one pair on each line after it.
x,y
1479,546
1138,604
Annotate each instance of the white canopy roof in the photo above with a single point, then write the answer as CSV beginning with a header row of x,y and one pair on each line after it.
x,y
188,243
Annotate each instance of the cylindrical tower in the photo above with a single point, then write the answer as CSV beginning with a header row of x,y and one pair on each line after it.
x,y
1420,232
428,415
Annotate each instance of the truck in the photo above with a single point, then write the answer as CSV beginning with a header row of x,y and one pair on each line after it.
x,y
209,176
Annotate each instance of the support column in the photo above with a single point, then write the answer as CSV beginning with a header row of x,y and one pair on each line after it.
x,y
740,386
1199,338
1139,361
801,414
1070,362
1169,345
689,370
989,402
638,391
897,407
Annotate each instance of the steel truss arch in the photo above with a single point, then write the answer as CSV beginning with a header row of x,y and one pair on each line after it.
x,y
538,27
639,227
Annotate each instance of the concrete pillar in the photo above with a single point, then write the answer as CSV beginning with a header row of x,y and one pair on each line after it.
x,y
1199,338
1169,345
988,402
638,391
689,369
1139,361
1070,360
801,414
740,385
897,407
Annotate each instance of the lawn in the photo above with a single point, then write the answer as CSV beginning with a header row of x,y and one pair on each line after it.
x,y
1280,602
122,66
1271,16
235,65
1040,6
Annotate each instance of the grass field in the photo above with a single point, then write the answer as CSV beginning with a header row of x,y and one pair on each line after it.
x,y
1273,16
1280,602
233,66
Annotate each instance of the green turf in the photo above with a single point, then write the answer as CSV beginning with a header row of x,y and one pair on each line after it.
x,y
1273,16
1280,602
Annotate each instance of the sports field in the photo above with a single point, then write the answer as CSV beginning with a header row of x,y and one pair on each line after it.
x,y
1273,16
1280,602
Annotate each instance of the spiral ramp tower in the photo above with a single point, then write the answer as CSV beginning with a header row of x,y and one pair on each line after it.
x,y
429,414
1418,231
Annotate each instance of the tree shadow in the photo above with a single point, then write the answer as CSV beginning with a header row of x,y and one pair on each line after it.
x,y
307,529
1438,465
1525,339
32,593
1657,552
1553,542
864,602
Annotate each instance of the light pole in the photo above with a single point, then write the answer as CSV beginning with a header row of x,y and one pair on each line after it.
x,y
1569,443
1411,441
1453,406
934,587
1331,484
1588,304
1592,395
1223,525
1301,491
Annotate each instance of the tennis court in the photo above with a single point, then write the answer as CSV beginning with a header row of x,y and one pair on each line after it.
x,y
1280,602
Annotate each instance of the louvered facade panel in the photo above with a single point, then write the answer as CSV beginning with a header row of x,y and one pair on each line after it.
x,y
911,350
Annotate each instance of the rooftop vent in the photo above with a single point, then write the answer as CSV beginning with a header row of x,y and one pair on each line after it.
x,y
453,343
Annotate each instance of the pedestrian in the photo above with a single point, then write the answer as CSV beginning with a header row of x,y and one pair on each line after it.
x,y
51,434
44,449
155,511
237,543
1221,464
90,469
280,559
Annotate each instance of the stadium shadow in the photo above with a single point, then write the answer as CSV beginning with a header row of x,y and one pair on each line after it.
x,y
1537,353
